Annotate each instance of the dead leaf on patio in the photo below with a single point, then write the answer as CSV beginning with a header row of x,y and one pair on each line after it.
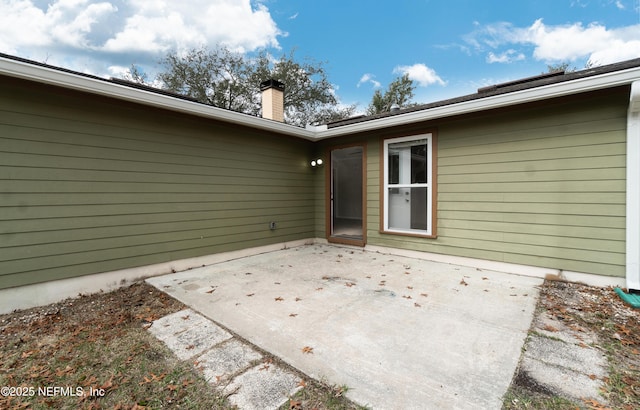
x,y
190,347
298,299
279,299
250,294
550,328
184,317
302,383
407,273
277,283
264,367
424,294
210,291
349,284
319,288
462,282
293,314
407,297
485,278
417,305
307,350
409,287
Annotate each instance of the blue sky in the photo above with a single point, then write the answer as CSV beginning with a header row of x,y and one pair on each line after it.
x,y
449,48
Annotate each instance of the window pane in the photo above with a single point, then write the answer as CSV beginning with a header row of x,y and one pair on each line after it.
x,y
419,208
399,208
394,167
419,164
408,208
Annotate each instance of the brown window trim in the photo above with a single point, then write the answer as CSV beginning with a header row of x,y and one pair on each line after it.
x,y
434,188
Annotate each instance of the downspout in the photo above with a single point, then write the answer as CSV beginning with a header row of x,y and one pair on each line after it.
x,y
633,190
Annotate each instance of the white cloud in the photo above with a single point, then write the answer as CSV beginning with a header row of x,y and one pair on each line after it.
x,y
595,42
420,73
508,56
369,78
67,22
619,5
67,29
162,25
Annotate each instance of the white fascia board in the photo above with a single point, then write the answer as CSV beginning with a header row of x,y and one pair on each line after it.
x,y
72,81
633,190
503,100
101,87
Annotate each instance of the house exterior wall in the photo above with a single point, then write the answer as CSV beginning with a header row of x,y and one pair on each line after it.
x,y
89,184
540,184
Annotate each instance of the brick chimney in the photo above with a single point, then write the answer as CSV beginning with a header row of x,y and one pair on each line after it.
x,y
272,100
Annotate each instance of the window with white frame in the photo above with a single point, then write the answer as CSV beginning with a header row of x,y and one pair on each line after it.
x,y
408,185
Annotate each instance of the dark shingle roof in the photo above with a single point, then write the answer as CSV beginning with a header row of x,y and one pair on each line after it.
x,y
112,80
503,88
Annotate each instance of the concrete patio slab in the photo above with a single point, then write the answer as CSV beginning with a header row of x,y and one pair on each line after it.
x,y
399,332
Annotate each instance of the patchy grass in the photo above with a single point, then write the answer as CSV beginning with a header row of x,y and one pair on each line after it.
x,y
96,350
93,352
617,327
321,396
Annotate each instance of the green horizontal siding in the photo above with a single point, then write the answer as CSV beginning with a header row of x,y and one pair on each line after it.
x,y
91,185
542,185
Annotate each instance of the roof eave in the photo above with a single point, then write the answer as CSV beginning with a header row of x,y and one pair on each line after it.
x,y
103,87
607,80
96,86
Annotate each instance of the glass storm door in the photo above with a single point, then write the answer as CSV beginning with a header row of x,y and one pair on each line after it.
x,y
346,195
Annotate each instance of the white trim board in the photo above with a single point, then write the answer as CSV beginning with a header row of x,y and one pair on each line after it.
x,y
40,294
633,189
513,268
73,81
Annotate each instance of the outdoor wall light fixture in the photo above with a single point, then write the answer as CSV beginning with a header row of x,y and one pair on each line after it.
x,y
316,162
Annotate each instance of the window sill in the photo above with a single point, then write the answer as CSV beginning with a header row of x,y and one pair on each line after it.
x,y
410,234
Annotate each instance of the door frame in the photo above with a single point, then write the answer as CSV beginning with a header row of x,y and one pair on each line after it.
x,y
329,188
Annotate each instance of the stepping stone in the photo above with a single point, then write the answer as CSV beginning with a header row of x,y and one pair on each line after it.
x,y
261,388
227,359
188,333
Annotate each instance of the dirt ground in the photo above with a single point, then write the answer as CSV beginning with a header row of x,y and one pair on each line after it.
x,y
93,352
617,327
